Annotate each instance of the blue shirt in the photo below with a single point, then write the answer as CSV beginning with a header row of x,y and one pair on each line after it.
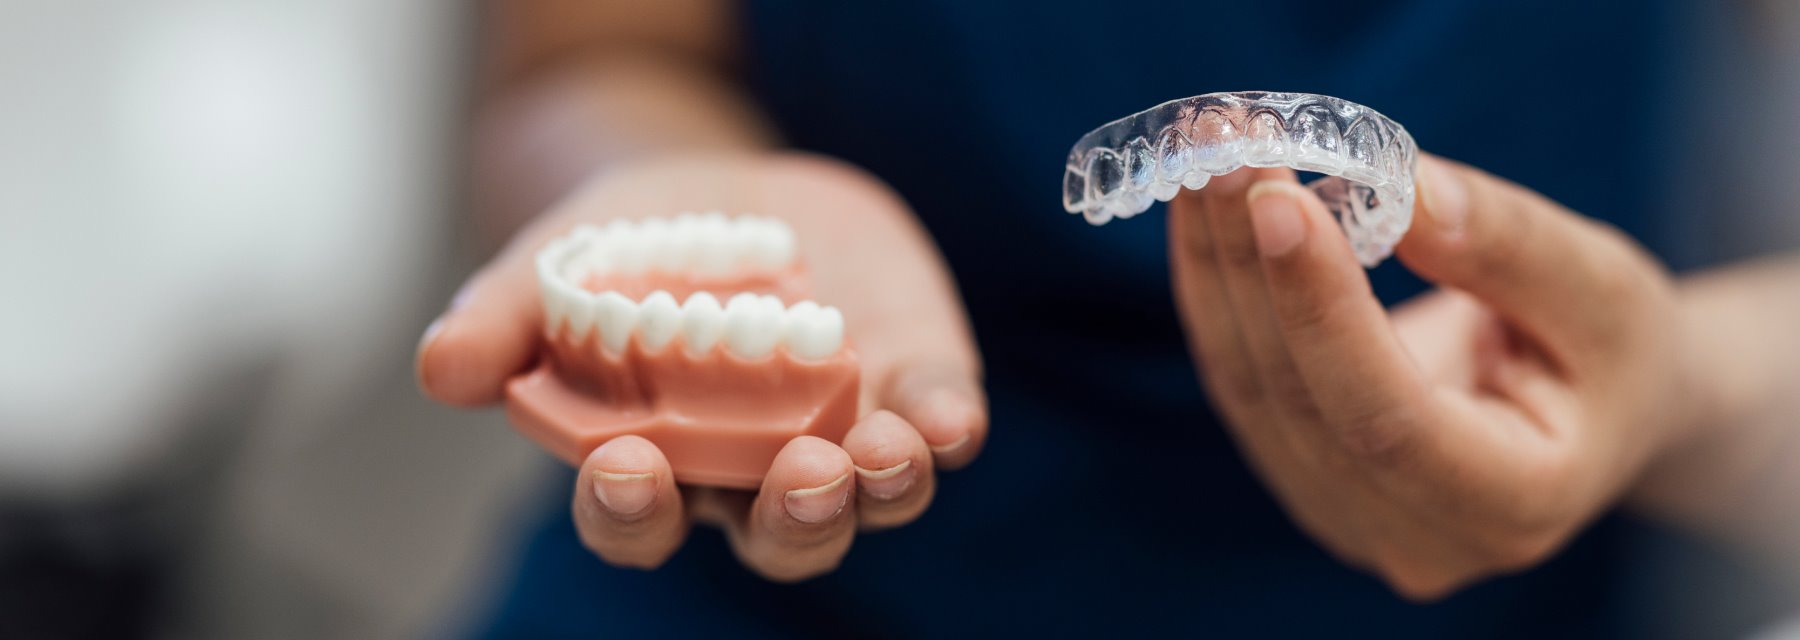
x,y
1109,498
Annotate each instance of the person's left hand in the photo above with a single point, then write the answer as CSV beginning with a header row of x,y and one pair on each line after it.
x,y
1465,434
867,255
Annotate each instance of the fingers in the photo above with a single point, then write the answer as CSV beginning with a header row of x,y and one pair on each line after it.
x,y
1223,300
626,507
801,523
1227,217
894,479
943,400
489,333
1203,300
1337,332
898,299
1553,272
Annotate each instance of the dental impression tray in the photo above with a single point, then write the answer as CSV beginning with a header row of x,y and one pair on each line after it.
x,y
640,344
1115,171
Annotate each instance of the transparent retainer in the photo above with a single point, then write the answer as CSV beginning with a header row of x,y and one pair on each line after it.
x,y
1119,169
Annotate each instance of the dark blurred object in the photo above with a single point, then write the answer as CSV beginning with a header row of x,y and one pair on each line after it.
x,y
78,574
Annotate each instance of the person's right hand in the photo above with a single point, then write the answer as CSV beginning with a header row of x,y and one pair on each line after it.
x,y
923,407
1470,432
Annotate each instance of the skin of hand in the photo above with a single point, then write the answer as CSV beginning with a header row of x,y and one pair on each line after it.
x,y
922,401
1470,432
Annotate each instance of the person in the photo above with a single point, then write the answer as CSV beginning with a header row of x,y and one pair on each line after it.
x,y
1483,429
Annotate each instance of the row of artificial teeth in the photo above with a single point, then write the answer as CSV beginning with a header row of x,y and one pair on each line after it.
x,y
749,325
708,243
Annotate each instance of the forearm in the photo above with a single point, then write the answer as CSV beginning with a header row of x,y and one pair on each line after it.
x,y
1737,473
558,103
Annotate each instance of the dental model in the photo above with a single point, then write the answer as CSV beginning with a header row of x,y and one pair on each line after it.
x,y
1115,171
641,343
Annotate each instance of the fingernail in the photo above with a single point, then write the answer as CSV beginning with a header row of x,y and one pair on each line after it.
x,y
431,333
463,295
625,494
457,301
818,504
886,484
1275,218
942,449
1445,196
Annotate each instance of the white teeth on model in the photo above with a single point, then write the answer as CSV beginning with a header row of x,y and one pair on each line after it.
x,y
702,322
709,243
713,245
801,309
813,332
752,325
555,304
581,316
659,319
615,316
778,244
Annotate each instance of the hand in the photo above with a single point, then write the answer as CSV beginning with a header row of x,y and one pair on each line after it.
x,y
866,255
1473,430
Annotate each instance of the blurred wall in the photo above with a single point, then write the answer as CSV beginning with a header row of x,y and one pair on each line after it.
x,y
222,225
195,188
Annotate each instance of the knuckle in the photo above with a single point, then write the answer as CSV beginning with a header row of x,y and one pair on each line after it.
x,y
1196,244
1377,436
1622,276
1623,271
1239,255
1293,394
1619,281
1503,251
1309,310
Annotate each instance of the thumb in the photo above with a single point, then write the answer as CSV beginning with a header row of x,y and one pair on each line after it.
x,y
490,332
1555,274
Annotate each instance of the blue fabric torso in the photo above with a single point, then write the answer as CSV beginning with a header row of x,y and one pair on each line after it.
x,y
1109,499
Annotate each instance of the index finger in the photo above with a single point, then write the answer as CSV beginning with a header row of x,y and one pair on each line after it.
x,y
1337,332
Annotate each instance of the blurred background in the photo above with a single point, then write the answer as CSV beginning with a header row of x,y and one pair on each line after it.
x,y
223,224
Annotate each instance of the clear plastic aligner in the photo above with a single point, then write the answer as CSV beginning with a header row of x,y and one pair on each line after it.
x,y
1117,170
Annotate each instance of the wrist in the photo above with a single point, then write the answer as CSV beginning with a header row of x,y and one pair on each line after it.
x,y
1731,344
1703,366
1737,343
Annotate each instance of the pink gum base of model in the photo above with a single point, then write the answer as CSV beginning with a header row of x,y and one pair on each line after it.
x,y
719,419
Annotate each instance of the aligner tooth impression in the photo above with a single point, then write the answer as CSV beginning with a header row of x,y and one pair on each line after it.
x,y
1117,170
640,343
